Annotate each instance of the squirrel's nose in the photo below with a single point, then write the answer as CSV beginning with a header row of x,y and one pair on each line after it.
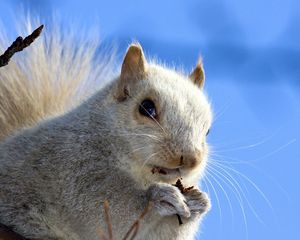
x,y
190,160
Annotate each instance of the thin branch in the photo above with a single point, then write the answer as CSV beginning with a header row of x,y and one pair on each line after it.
x,y
101,234
183,190
108,220
18,45
135,226
133,229
7,233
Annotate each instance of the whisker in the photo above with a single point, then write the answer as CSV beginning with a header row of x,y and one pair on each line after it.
x,y
224,158
275,151
143,135
137,149
221,112
217,198
241,204
225,193
252,184
243,147
206,187
250,164
147,160
126,133
152,136
237,189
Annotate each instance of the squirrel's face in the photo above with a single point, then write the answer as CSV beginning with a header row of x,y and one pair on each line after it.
x,y
166,117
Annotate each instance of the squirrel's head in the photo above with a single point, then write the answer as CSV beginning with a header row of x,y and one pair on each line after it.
x,y
165,118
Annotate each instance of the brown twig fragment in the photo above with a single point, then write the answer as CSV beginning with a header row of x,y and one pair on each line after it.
x,y
179,219
108,220
131,232
101,234
18,45
183,190
135,226
181,187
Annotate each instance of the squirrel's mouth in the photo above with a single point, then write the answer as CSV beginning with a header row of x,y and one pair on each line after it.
x,y
165,171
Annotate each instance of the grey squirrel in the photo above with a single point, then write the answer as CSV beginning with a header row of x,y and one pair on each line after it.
x,y
64,152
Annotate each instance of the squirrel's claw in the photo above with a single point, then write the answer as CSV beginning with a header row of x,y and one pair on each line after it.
x,y
168,200
197,201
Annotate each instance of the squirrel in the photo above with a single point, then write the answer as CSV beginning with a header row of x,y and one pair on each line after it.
x,y
62,155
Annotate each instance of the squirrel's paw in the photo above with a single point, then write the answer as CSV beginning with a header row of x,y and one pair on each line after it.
x,y
197,201
168,200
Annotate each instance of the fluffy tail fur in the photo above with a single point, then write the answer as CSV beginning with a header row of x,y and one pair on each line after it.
x,y
56,73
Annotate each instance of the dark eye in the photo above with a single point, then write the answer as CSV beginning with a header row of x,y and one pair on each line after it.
x,y
207,132
147,108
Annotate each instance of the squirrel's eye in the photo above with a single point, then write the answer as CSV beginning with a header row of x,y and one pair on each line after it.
x,y
207,132
147,108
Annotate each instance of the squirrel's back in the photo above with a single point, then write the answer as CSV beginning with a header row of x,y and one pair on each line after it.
x,y
56,73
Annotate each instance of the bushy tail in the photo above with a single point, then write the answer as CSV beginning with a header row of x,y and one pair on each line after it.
x,y
56,73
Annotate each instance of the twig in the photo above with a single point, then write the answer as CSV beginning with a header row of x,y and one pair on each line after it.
x,y
101,234
131,232
18,45
183,190
7,233
108,220
135,226
179,219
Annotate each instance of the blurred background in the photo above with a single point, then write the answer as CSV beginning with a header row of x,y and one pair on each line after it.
x,y
251,53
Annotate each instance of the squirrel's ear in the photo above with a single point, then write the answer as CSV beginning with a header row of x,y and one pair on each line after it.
x,y
198,76
133,69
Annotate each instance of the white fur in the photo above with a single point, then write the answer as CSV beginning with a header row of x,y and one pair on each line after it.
x,y
81,147
56,73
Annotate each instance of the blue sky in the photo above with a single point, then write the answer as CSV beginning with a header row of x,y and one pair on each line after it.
x,y
251,52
